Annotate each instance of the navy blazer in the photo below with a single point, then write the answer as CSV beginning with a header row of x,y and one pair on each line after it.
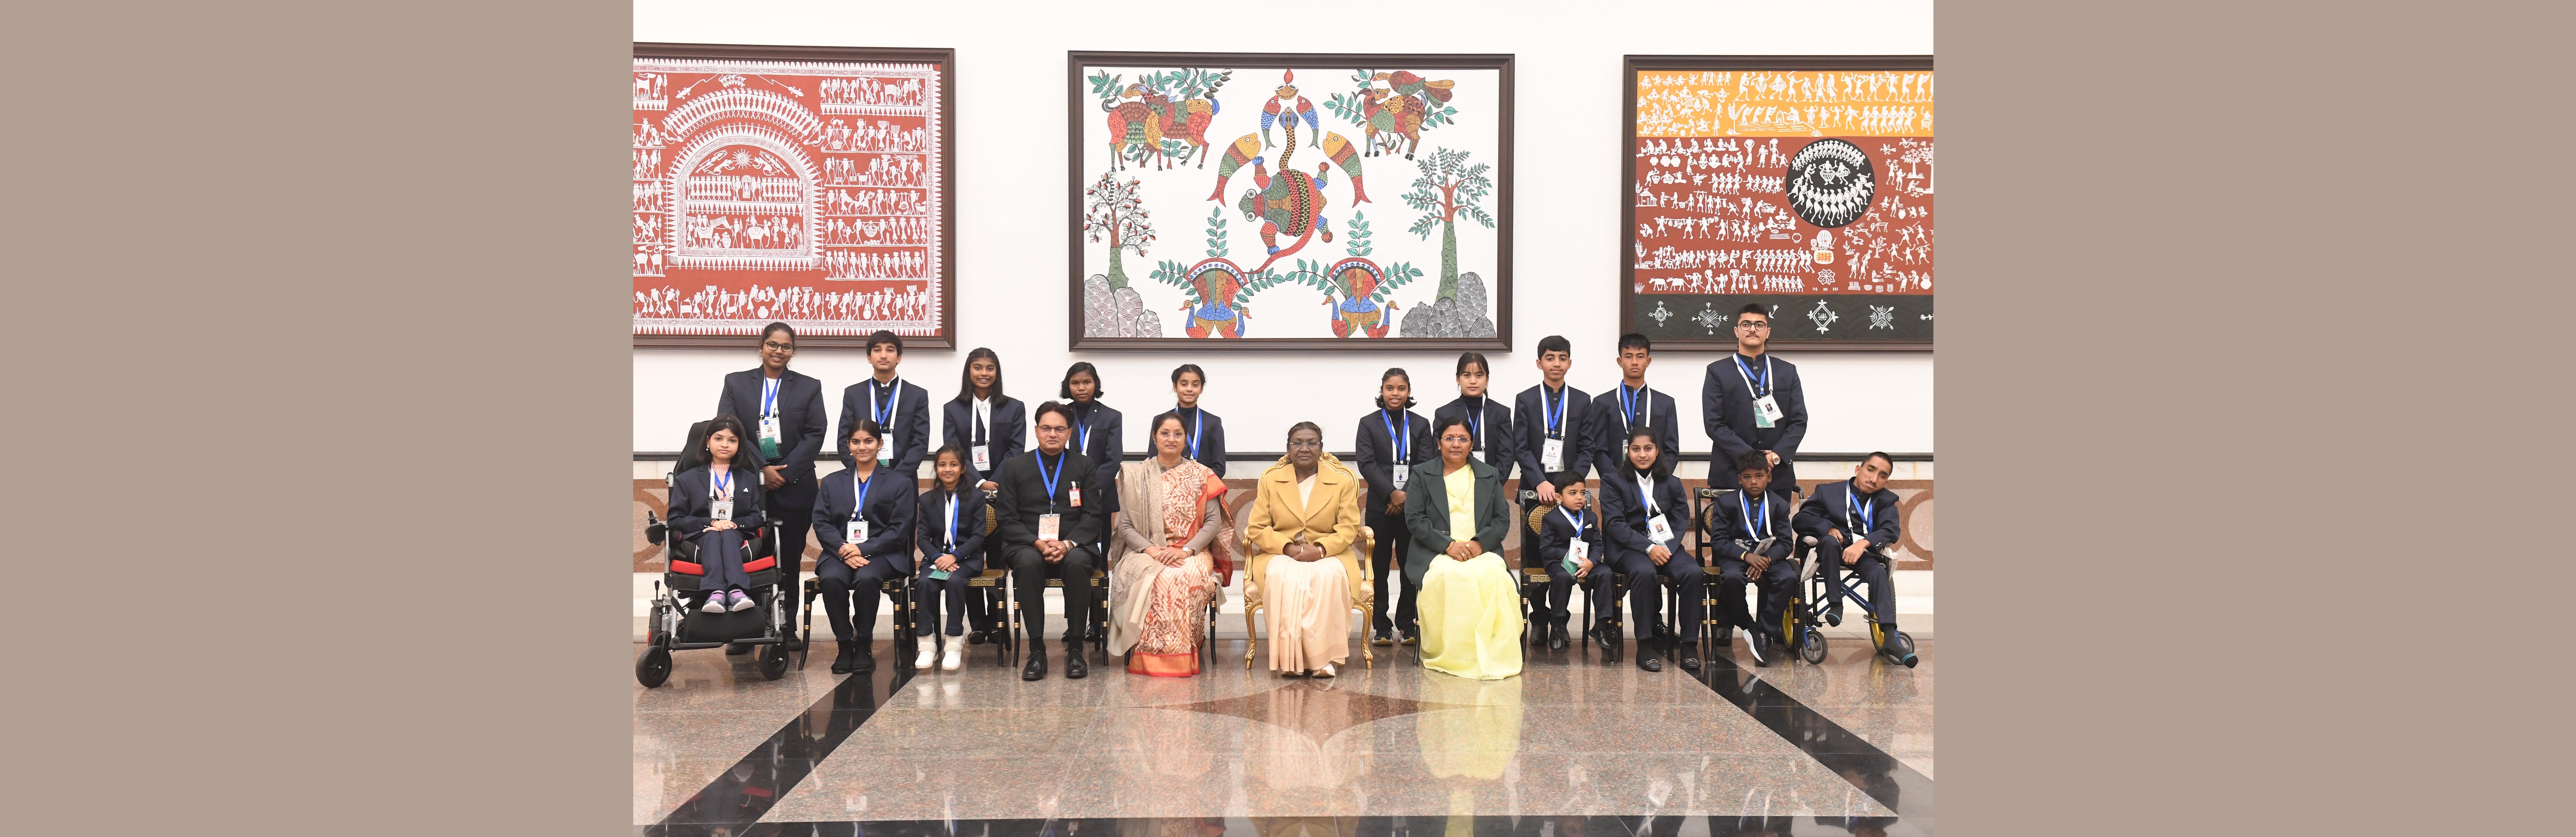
x,y
801,420
1376,454
1576,427
1106,448
1009,434
1726,410
1493,422
1624,514
1831,508
1613,420
690,509
1210,431
930,522
1556,534
1727,517
908,434
887,508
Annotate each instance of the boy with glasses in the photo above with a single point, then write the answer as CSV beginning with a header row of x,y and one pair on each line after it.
x,y
1752,402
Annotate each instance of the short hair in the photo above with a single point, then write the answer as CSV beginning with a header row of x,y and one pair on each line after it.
x,y
1081,367
1442,427
1476,358
861,424
1880,456
1555,343
1056,407
774,328
1392,373
1565,481
1633,340
884,337
1305,425
1752,460
1189,369
1754,308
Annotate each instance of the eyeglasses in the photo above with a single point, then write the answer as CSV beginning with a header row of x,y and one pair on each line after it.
x,y
1305,445
1752,326
1465,440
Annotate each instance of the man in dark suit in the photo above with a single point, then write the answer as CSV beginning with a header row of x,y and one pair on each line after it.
x,y
902,408
1489,421
1553,417
1751,401
1631,405
1059,483
1854,524
784,410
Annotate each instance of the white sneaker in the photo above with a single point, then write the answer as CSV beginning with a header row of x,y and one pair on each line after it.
x,y
923,661
741,601
715,603
953,657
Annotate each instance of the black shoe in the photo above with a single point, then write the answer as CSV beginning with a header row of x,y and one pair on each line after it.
x,y
1834,613
1074,668
1689,654
841,661
1556,637
864,662
1036,669
737,649
1607,635
1725,634
1649,661
978,637
792,642
1760,645
1383,638
1895,651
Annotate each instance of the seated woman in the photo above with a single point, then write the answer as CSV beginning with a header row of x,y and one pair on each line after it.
x,y
1171,510
712,504
1305,519
949,523
1470,602
863,520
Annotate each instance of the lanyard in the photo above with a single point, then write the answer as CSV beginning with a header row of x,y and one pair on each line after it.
x,y
1082,437
952,519
1402,443
722,485
1853,504
1476,422
1198,420
768,397
983,412
1630,405
894,393
1575,518
1758,386
1748,514
1555,412
1646,494
1050,478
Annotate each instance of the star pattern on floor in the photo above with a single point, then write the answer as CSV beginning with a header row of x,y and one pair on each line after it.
x,y
1314,708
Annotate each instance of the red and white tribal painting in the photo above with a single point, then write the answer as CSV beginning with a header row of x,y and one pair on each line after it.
x,y
802,191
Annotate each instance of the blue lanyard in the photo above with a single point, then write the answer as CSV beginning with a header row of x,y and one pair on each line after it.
x,y
1050,478
768,397
1476,422
894,392
1082,437
724,484
1198,420
1748,514
952,520
1402,442
1555,412
1853,503
1629,404
1760,385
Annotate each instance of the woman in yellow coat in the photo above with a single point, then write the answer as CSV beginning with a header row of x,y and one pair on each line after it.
x,y
1305,519
1470,603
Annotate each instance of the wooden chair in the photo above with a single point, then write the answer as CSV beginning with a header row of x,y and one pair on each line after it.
x,y
1363,588
1534,579
991,580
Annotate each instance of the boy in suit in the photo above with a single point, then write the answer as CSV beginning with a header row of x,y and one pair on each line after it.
x,y
1570,547
1752,532
1854,523
1751,401
901,409
1632,405
1553,423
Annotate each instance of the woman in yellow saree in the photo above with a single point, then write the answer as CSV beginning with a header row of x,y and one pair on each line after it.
x,y
1470,603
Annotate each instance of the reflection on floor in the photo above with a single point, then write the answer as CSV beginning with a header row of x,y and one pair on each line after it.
x,y
1845,745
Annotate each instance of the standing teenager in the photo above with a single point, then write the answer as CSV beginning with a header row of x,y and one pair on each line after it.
x,y
1631,406
783,411
1391,440
1553,423
1206,431
1751,401
1489,422
990,428
900,408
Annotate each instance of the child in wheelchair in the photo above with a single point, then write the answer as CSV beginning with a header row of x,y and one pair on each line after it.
x,y
713,506
1751,533
1854,523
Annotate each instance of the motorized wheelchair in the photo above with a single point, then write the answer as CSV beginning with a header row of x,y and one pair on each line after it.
x,y
674,626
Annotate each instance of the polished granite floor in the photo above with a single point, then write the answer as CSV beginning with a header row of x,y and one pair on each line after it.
x,y
1845,746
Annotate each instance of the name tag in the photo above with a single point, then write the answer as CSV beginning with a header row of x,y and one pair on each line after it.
x,y
1073,493
1551,455
858,530
722,510
1658,530
1766,411
983,459
1576,553
1049,525
1402,474
1480,455
769,428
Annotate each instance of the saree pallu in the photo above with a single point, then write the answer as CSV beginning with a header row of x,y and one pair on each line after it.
x,y
1161,611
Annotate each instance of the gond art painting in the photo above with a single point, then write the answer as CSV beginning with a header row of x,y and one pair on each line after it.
x,y
1282,201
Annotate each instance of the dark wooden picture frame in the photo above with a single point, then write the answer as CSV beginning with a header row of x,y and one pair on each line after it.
x,y
946,253
1080,112
1629,66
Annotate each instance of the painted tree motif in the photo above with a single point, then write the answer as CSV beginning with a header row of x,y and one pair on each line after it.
x,y
1448,188
1118,215
1213,291
1356,290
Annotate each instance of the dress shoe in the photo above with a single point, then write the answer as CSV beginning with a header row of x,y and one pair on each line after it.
x,y
1383,638
1689,653
1760,645
841,660
1607,635
1649,660
1725,634
864,663
1074,667
1556,637
792,642
1036,669
978,637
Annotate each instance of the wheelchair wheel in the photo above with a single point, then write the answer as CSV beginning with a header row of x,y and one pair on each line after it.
x,y
654,667
773,661
1811,646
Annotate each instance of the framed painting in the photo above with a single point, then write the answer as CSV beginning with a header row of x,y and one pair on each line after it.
x,y
1803,183
809,185
1285,201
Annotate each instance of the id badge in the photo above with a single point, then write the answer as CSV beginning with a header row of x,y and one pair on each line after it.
x,y
1049,525
769,429
1576,553
1766,411
1551,456
858,531
1480,455
721,510
1402,474
1074,493
1658,530
983,459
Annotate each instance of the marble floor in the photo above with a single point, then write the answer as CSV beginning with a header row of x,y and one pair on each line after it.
x,y
1844,747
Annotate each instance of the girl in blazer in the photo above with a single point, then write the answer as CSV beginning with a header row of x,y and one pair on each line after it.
x,y
714,505
864,522
990,428
783,410
1573,521
1471,603
949,525
1390,441
1207,432
1644,511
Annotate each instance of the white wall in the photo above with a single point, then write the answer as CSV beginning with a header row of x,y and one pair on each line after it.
x,y
1010,93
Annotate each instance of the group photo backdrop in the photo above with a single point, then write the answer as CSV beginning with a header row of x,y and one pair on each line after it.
x,y
1010,103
